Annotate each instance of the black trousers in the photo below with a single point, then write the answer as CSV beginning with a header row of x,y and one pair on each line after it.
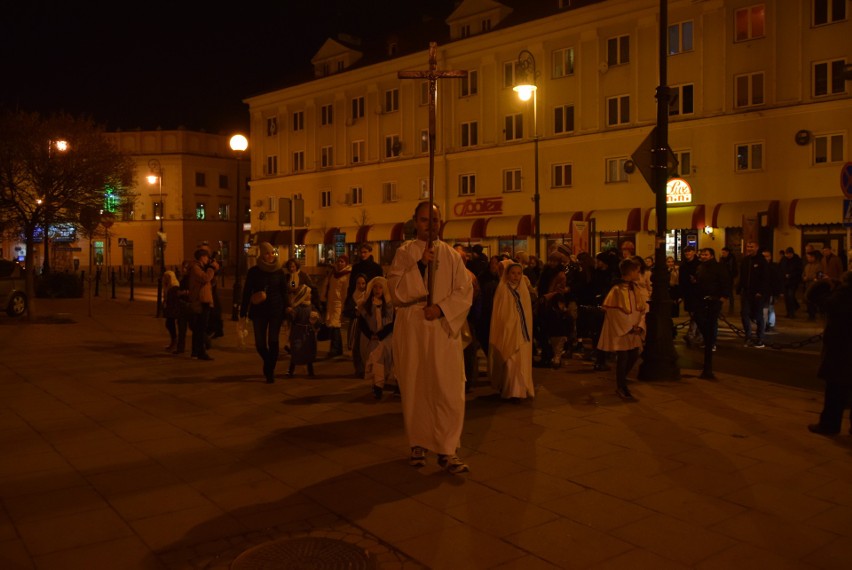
x,y
837,399
267,330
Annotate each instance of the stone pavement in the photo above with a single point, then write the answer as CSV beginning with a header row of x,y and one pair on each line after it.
x,y
116,454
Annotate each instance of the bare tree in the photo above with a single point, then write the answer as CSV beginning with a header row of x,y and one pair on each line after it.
x,y
51,170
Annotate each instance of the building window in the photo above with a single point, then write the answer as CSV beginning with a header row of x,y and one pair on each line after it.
x,y
424,93
127,213
680,37
680,100
298,161
158,209
358,108
424,140
223,181
470,134
389,192
618,50
392,146
615,170
828,77
325,199
391,100
200,179
749,157
562,174
684,163
224,211
829,11
358,154
749,90
750,23
563,62
512,180
514,128
356,194
298,121
271,126
272,164
465,30
327,156
485,26
828,148
563,119
470,84
511,69
200,211
327,115
424,189
467,184
618,110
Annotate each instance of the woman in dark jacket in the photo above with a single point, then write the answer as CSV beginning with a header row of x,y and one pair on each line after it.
x,y
265,303
834,361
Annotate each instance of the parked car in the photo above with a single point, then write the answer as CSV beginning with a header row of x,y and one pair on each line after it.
x,y
12,289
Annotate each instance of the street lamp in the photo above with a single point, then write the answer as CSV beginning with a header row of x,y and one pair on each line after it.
x,y
239,144
156,177
526,63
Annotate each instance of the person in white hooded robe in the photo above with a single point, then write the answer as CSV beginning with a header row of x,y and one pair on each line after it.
x,y
427,341
510,344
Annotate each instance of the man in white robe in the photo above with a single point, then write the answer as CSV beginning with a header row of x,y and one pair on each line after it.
x,y
427,342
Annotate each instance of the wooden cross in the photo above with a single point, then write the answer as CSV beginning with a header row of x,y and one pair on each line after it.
x,y
432,75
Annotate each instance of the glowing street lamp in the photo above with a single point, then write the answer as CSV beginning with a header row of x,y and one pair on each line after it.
x,y
239,144
526,63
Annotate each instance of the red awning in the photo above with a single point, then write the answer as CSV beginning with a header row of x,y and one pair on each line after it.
x,y
677,218
813,211
382,232
730,214
464,229
500,226
624,220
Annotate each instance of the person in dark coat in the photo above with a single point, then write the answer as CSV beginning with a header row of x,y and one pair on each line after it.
x,y
303,335
754,289
365,266
689,292
729,260
488,281
265,303
478,261
791,269
713,288
834,361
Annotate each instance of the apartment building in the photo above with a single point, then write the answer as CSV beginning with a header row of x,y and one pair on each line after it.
x,y
758,124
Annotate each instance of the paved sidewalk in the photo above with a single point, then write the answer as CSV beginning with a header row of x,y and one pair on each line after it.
x,y
116,454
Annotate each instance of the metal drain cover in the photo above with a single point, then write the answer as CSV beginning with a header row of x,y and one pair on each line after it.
x,y
308,553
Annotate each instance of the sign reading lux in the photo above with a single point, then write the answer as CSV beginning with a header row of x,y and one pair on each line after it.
x,y
479,207
678,191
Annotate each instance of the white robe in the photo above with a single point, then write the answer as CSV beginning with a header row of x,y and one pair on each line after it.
x,y
625,308
509,350
428,358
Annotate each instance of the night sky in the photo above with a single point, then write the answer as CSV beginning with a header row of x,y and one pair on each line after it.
x,y
168,64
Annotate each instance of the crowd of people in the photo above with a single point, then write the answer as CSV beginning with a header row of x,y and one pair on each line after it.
x,y
419,328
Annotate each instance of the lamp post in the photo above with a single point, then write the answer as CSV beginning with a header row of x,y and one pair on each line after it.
x,y
156,177
239,144
526,62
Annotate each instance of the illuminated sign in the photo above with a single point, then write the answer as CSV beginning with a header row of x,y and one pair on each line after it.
x,y
479,207
678,191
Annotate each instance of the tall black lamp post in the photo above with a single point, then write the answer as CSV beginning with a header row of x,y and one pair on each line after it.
x,y
526,63
239,144
156,177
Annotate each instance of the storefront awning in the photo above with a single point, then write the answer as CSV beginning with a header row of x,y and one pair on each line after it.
x,y
807,211
466,228
730,214
319,236
383,232
677,218
558,222
500,226
624,220
352,233
275,238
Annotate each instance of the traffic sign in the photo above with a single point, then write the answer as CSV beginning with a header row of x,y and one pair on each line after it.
x,y
847,213
846,179
644,158
122,242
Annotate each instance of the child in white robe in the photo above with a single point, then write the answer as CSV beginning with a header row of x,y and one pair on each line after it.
x,y
510,342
